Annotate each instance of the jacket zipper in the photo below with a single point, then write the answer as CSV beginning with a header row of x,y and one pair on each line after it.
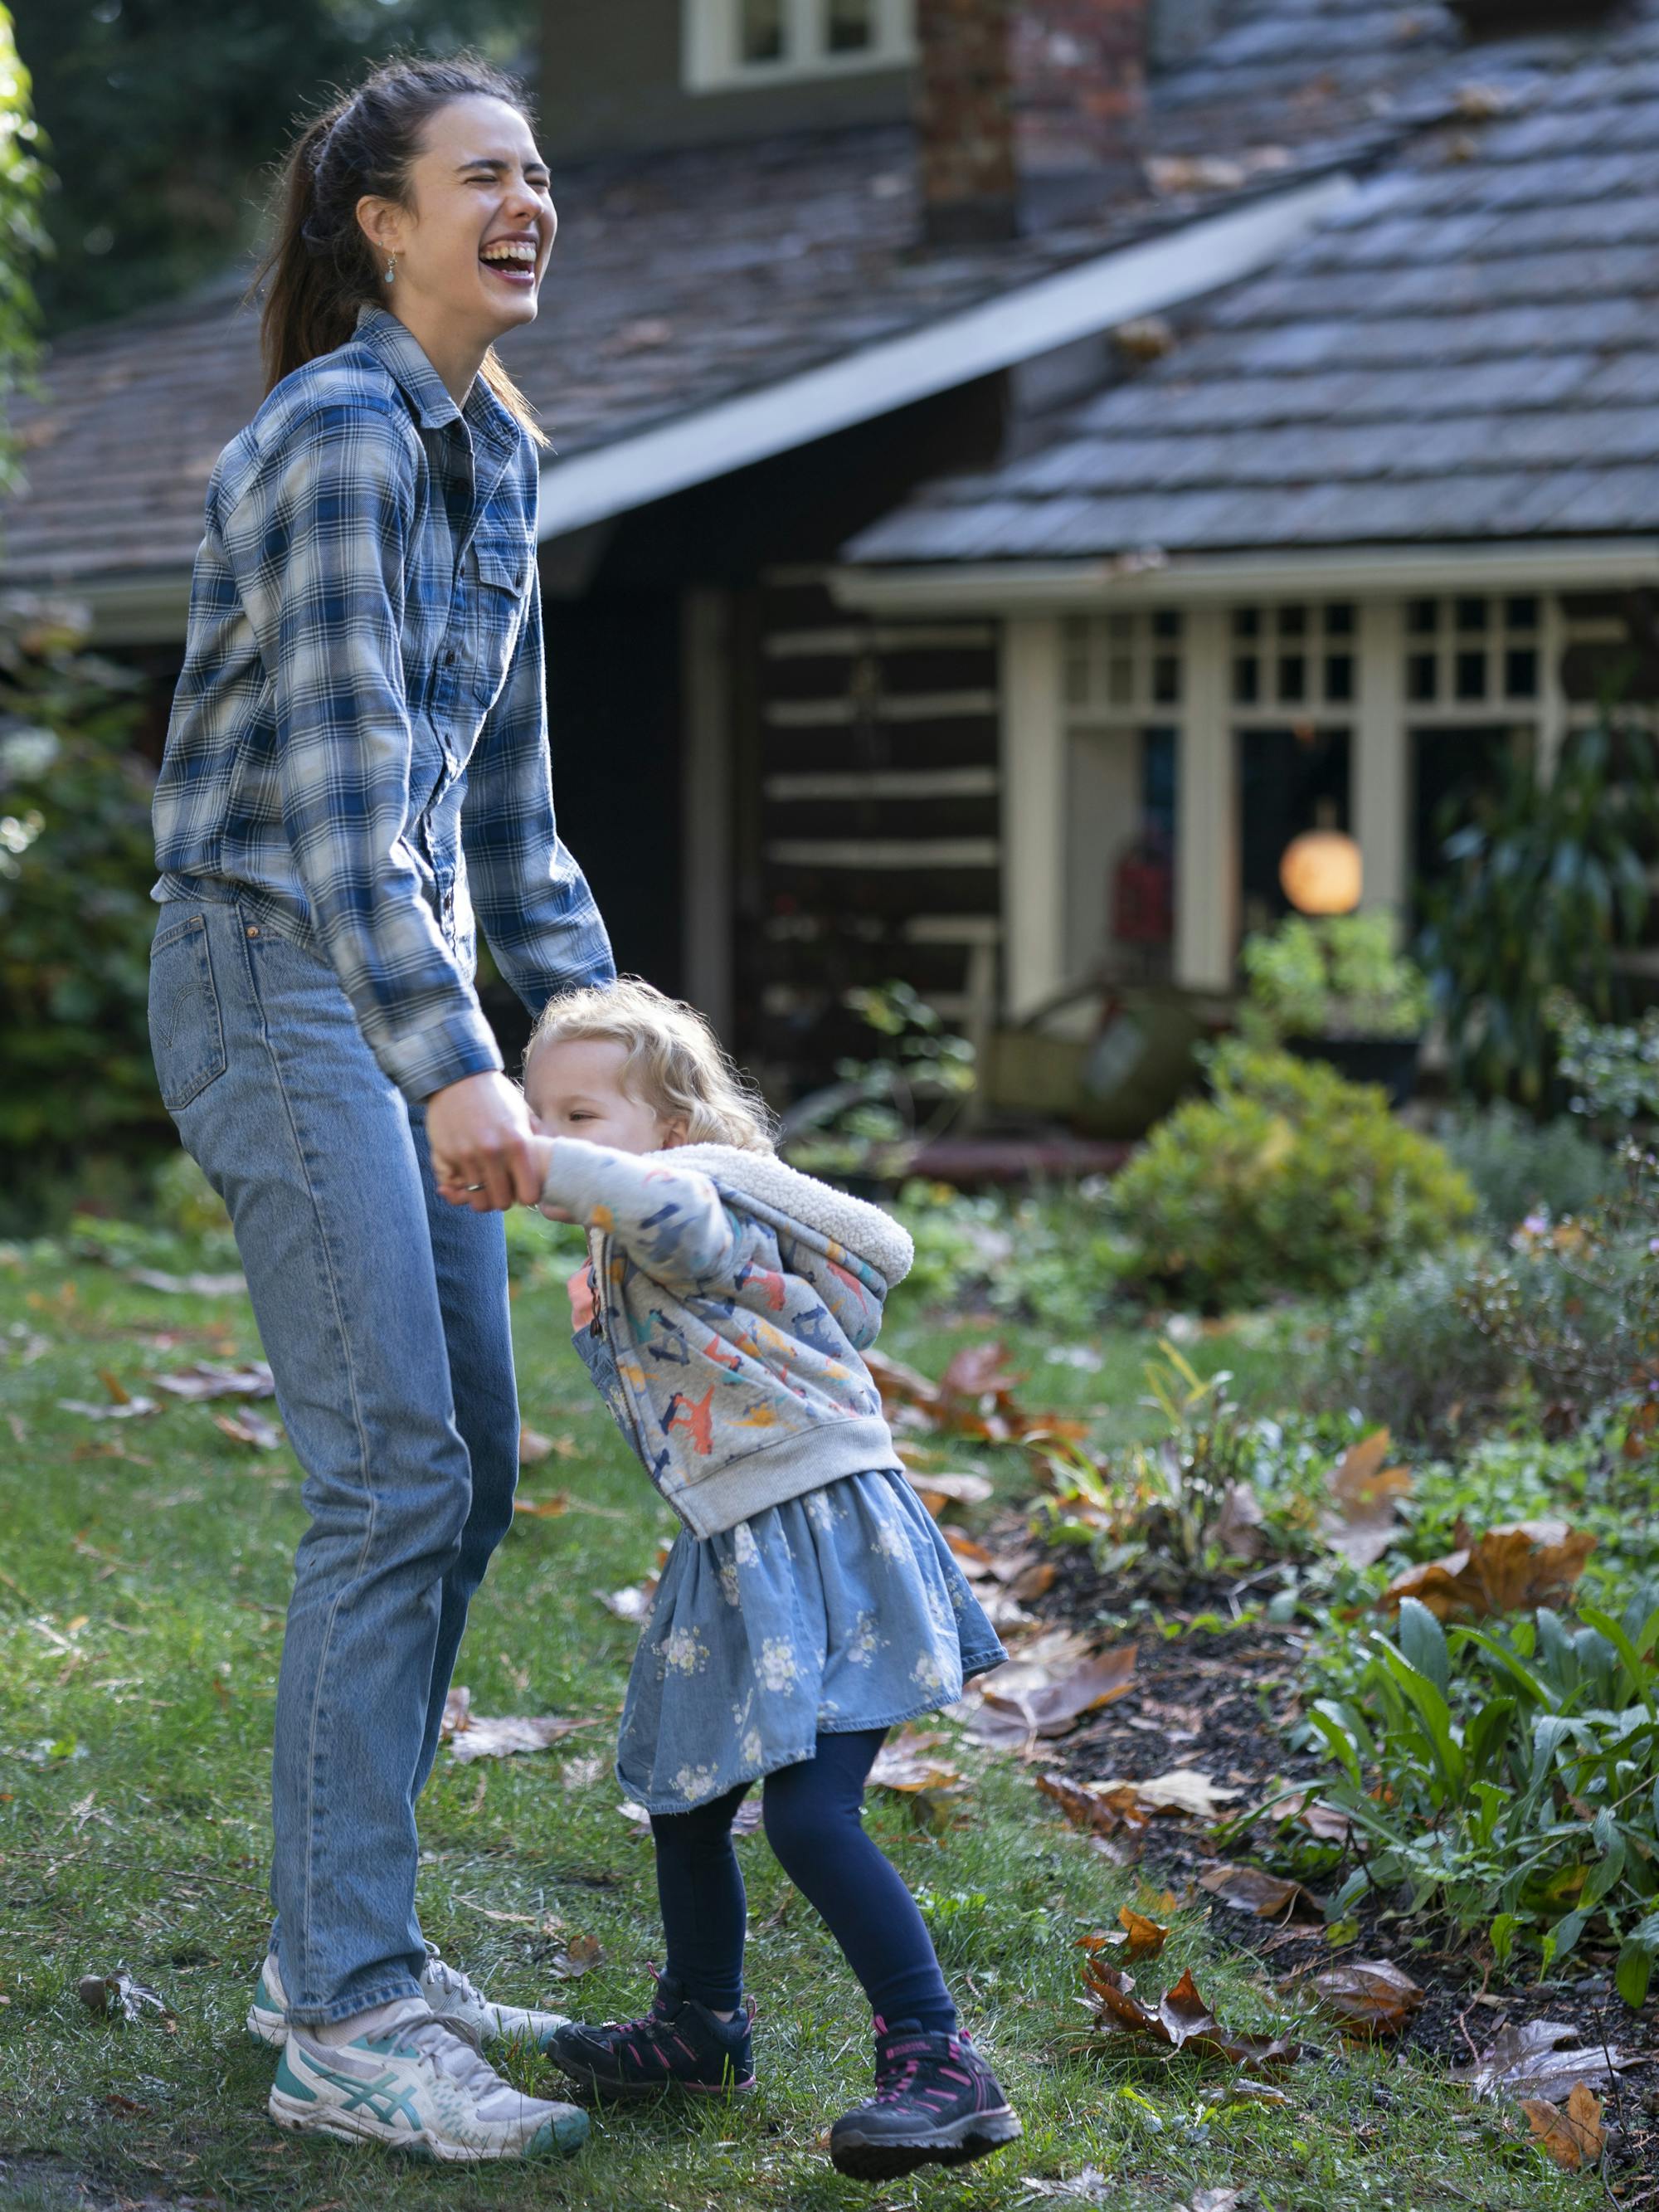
x,y
602,1278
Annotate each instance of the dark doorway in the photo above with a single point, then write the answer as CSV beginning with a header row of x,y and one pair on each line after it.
x,y
1289,780
1450,767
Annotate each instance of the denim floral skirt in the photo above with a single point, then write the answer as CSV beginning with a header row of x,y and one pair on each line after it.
x,y
839,1611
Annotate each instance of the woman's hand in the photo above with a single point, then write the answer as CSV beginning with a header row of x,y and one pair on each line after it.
x,y
483,1154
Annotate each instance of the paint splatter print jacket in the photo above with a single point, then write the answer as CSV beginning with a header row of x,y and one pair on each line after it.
x,y
734,1296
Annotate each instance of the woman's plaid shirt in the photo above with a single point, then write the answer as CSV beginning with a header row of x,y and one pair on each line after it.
x,y
358,750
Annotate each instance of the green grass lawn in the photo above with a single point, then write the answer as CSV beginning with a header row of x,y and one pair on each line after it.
x,y
143,1572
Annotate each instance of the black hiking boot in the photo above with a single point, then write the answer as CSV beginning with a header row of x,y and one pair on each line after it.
x,y
679,2044
937,2103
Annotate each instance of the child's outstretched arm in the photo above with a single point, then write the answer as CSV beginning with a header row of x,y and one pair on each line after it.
x,y
669,1220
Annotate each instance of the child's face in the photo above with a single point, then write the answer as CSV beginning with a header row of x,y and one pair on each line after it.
x,y
573,1087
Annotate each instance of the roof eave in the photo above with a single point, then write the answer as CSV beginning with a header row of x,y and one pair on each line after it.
x,y
1038,587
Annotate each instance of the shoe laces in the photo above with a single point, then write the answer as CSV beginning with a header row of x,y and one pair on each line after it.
x,y
454,2056
450,1979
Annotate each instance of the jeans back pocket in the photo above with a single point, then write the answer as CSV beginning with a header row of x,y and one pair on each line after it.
x,y
186,1038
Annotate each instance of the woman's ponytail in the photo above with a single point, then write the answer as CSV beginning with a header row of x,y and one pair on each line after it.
x,y
320,269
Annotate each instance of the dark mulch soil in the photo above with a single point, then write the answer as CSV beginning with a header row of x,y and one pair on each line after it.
x,y
1217,1702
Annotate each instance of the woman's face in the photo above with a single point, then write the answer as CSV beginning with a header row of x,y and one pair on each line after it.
x,y
471,246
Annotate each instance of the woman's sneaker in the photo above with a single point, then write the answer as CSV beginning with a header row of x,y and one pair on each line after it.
x,y
937,2103
679,2044
414,2084
449,1994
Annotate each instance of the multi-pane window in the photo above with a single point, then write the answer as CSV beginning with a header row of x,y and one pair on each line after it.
x,y
732,43
1293,657
1123,660
1474,651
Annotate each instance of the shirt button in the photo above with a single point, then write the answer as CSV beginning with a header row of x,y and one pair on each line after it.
x,y
450,657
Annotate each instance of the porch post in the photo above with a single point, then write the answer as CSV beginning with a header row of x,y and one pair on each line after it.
x,y
1381,769
1033,814
706,804
1206,856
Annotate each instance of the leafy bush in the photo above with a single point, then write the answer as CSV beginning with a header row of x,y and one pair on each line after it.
x,y
1614,1066
1339,976
1545,886
1289,1178
1519,1166
880,1112
76,861
1056,1259
1509,1779
1403,1351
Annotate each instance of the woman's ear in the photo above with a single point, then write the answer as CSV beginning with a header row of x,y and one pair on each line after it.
x,y
383,223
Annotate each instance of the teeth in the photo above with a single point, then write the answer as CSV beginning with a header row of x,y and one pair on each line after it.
x,y
519,250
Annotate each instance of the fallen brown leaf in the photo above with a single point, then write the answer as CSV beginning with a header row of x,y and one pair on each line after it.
x,y
544,1509
248,1427
486,1738
578,1957
1048,1707
1268,1896
1371,1997
533,1445
1361,1521
937,1490
1573,2137
1523,1564
1182,1790
1146,1936
1182,2019
194,1286
633,1603
904,1763
1238,1526
126,1408
117,1996
1088,1807
1542,2058
973,1398
208,1378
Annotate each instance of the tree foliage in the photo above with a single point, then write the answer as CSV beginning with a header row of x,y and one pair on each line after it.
x,y
21,237
163,118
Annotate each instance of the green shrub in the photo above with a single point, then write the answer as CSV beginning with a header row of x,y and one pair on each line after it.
x,y
1290,1178
1338,977
1054,1258
1508,1777
1519,1166
1403,1352
76,861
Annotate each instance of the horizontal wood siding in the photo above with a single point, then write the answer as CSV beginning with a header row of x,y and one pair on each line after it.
x,y
878,821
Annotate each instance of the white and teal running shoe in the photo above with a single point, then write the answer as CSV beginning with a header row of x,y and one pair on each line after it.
x,y
449,1994
416,2085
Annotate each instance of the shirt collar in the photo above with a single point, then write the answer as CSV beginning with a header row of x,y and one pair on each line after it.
x,y
401,354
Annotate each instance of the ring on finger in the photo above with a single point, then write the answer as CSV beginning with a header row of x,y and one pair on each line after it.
x,y
471,1186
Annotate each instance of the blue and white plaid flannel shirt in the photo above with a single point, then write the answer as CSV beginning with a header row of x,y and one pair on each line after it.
x,y
358,748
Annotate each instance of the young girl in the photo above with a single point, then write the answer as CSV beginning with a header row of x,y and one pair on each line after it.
x,y
809,1603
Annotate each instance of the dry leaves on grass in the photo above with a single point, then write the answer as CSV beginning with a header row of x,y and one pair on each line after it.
x,y
1268,1896
1181,2019
191,1287
1137,1935
1371,1998
119,1403
209,1378
1572,2134
552,1508
1508,1570
634,1603
937,1490
574,1959
1542,2058
249,1428
1113,1805
475,1735
907,1763
1032,1696
117,1996
974,1397
1360,1522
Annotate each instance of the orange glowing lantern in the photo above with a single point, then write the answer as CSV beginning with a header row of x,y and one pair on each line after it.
x,y
1321,872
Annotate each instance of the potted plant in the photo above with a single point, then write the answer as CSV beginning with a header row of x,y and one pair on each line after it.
x,y
1338,989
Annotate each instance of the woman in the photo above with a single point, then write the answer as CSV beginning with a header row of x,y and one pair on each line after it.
x,y
357,757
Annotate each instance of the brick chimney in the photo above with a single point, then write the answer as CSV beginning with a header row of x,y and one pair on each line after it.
x,y
1025,106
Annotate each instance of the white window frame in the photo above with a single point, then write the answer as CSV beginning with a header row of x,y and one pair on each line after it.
x,y
711,51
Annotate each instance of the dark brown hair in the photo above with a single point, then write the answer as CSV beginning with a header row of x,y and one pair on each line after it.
x,y
321,269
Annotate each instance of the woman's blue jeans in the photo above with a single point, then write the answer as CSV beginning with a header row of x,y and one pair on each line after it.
x,y
384,1315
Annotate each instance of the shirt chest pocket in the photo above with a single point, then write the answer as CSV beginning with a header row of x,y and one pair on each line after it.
x,y
497,580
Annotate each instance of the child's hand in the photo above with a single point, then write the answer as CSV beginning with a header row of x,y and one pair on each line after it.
x,y
541,1151
580,1289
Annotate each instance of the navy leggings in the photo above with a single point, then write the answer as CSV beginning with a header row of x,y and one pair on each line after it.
x,y
811,1813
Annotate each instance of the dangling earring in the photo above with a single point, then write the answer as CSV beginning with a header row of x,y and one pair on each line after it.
x,y
390,267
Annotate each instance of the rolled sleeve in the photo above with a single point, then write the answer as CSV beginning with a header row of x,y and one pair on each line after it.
x,y
320,570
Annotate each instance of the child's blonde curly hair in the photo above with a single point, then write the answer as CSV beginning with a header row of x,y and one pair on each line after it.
x,y
675,1063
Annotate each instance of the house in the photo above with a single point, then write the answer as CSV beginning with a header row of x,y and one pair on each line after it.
x,y
977,432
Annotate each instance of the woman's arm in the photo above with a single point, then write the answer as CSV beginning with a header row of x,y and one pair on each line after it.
x,y
670,1222
318,546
